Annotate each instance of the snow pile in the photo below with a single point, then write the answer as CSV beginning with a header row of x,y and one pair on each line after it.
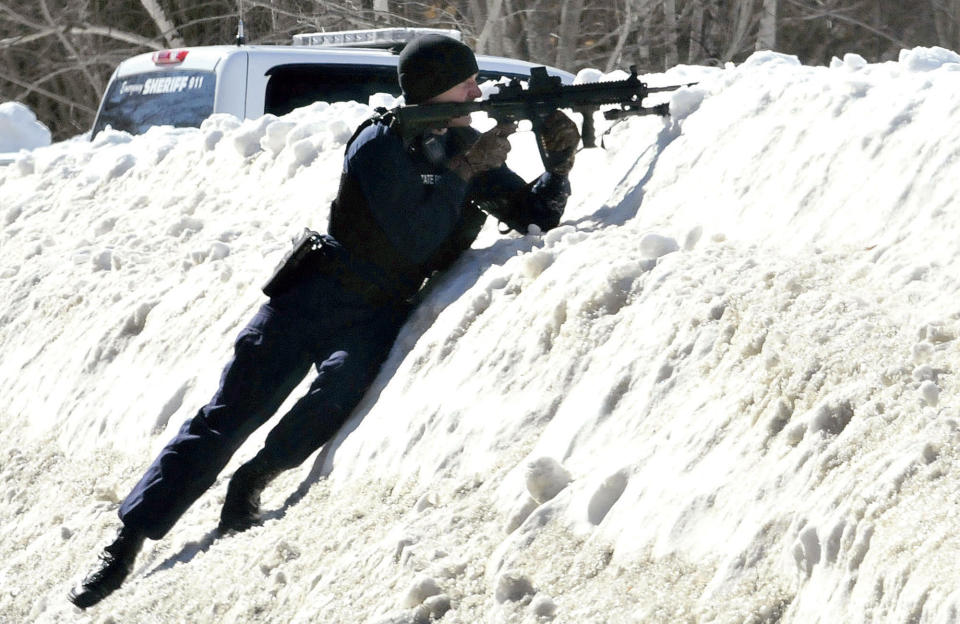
x,y
19,128
722,391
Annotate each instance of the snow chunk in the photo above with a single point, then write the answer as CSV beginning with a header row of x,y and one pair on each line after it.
x,y
422,588
927,59
513,587
340,132
19,128
305,130
111,137
588,75
218,251
105,261
930,393
851,61
606,496
275,138
807,550
693,237
534,264
771,59
655,245
438,605
543,607
215,127
685,101
382,100
248,137
220,121
831,417
545,478
303,152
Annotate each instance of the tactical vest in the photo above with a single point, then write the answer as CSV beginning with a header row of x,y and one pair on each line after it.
x,y
372,254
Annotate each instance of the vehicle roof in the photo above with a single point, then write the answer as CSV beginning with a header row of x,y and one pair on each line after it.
x,y
208,57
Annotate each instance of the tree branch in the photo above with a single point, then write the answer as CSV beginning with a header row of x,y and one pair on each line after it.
x,y
12,42
167,30
819,13
71,50
33,88
119,35
85,29
19,19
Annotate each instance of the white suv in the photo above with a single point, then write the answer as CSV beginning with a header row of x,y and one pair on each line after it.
x,y
183,87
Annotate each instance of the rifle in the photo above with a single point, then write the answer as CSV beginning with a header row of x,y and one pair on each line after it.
x,y
544,94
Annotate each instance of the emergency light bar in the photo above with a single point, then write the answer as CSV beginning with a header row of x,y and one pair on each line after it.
x,y
371,38
169,57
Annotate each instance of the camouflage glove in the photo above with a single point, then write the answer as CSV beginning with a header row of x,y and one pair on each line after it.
x,y
488,152
559,137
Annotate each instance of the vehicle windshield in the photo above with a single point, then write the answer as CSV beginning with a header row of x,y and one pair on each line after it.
x,y
180,98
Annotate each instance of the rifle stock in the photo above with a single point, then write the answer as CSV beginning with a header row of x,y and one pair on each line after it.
x,y
543,95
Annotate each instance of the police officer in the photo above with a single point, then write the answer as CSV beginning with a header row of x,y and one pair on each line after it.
x,y
405,209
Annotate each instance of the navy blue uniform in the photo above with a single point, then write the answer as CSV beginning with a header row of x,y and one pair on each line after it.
x,y
400,215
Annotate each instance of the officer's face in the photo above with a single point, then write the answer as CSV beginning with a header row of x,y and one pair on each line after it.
x,y
466,91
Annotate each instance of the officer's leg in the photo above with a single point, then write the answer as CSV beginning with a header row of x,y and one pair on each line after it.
x,y
342,379
268,363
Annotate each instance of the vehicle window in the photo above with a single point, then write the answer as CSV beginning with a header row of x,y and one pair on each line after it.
x,y
486,75
172,98
293,86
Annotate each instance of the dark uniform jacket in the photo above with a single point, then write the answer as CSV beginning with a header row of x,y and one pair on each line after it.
x,y
401,214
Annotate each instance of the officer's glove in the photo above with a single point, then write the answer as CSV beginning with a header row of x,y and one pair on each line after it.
x,y
559,137
489,151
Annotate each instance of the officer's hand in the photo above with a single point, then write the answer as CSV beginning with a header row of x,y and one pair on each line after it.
x,y
560,138
488,152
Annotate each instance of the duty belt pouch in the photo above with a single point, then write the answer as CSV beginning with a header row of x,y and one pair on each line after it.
x,y
295,263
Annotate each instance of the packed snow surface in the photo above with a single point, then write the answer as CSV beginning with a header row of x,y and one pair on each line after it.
x,y
723,390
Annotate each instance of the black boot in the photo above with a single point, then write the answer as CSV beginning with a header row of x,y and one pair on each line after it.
x,y
241,508
116,561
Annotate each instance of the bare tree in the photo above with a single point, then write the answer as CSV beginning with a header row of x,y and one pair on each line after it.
x,y
167,30
946,21
539,19
569,35
628,23
767,34
671,55
56,55
744,19
491,25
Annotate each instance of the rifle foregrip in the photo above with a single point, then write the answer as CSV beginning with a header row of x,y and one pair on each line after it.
x,y
587,133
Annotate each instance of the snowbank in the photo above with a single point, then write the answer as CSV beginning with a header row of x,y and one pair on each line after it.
x,y
19,128
722,391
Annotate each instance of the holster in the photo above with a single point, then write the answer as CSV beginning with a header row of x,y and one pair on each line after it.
x,y
296,263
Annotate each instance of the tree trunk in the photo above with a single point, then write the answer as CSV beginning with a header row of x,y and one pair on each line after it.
x,y
511,43
946,21
625,27
167,30
696,52
491,26
767,33
742,20
650,31
569,34
381,11
671,56
538,27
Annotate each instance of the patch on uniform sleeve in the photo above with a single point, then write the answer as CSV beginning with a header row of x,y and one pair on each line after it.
x,y
430,179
